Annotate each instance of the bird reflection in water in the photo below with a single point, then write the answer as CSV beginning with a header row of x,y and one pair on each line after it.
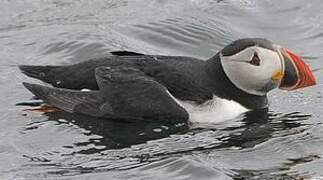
x,y
261,125
119,134
255,127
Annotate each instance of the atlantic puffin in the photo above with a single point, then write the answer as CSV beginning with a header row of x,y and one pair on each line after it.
x,y
130,85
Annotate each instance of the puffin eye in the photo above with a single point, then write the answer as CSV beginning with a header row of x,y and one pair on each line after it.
x,y
255,60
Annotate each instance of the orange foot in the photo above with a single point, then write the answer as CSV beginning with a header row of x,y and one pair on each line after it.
x,y
44,109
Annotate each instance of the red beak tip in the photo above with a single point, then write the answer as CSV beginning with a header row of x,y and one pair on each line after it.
x,y
305,74
312,82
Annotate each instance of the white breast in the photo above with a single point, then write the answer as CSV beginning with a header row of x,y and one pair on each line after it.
x,y
212,111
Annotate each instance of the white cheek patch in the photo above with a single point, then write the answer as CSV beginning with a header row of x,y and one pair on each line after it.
x,y
251,78
271,62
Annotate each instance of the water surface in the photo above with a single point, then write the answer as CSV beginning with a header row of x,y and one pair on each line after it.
x,y
284,142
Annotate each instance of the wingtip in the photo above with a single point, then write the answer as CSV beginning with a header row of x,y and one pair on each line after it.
x,y
38,90
27,85
31,71
31,87
22,67
43,73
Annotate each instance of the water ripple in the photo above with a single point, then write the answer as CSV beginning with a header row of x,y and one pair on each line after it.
x,y
285,142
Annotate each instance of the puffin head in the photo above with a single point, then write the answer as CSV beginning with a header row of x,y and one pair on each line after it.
x,y
257,66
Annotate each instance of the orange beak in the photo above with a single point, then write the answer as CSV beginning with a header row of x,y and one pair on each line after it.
x,y
297,74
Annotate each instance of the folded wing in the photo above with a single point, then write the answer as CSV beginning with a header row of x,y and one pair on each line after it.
x,y
124,92
72,101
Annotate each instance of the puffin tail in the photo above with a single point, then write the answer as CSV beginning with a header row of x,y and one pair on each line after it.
x,y
38,72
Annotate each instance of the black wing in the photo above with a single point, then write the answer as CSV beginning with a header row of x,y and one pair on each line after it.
x,y
72,101
76,76
184,77
133,94
125,93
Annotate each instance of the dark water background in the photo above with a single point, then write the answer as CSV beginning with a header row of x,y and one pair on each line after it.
x,y
284,143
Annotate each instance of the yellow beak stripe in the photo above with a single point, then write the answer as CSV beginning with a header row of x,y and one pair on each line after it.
x,y
277,76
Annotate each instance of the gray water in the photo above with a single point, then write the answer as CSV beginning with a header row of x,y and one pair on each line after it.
x,y
284,143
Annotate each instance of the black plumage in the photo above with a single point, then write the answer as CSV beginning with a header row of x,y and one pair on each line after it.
x,y
133,85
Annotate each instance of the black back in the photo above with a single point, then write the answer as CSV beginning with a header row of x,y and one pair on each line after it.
x,y
185,78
